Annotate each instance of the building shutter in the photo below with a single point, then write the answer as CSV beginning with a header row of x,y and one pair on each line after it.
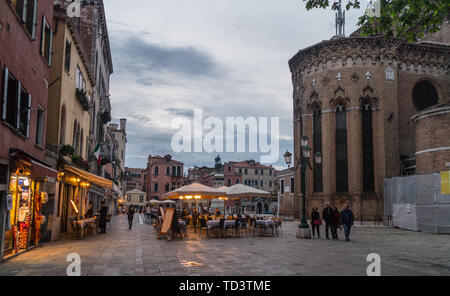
x,y
24,11
19,95
42,34
5,93
29,116
33,30
50,48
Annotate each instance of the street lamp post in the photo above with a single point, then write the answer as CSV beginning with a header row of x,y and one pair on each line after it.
x,y
304,163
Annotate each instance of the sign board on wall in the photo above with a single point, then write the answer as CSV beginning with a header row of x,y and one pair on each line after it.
x,y
445,182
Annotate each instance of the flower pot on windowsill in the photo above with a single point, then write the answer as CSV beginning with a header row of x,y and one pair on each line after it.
x,y
81,96
66,150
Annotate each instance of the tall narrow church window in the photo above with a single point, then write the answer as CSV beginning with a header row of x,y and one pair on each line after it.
x,y
367,142
341,150
317,146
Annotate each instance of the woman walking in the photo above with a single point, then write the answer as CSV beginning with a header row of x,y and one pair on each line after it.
x,y
336,220
130,214
315,222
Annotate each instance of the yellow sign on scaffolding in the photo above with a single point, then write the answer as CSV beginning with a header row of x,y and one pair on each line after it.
x,y
445,182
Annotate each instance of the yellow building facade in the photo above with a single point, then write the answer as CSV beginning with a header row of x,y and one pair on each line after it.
x,y
70,91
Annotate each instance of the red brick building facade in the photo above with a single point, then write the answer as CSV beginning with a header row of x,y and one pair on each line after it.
x,y
356,97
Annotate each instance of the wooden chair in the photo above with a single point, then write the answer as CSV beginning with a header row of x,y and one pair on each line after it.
x,y
203,227
92,228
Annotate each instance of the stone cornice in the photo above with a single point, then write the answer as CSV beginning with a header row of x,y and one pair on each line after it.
x,y
375,49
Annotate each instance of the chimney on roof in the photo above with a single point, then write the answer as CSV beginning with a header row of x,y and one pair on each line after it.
x,y
123,124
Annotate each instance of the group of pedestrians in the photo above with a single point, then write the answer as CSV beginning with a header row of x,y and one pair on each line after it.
x,y
334,220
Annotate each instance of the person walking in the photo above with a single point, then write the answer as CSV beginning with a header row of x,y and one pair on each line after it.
x,y
315,222
336,219
130,214
346,220
327,215
103,213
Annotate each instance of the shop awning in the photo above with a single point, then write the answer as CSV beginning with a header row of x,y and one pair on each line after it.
x,y
89,177
42,171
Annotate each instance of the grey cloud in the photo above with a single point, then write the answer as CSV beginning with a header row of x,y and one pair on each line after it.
x,y
181,112
135,55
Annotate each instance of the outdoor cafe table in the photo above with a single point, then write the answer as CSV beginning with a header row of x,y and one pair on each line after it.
x,y
211,223
266,226
81,224
266,223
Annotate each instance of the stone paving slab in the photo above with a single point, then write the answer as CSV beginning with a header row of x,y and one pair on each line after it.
x,y
124,252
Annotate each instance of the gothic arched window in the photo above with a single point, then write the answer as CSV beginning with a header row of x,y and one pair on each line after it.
x,y
367,147
424,95
317,146
156,170
341,150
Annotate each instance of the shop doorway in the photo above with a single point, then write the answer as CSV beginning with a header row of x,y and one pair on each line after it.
x,y
65,208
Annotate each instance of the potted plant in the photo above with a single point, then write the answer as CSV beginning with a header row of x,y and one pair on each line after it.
x,y
66,150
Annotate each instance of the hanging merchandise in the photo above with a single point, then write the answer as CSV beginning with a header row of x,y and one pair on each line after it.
x,y
23,212
20,225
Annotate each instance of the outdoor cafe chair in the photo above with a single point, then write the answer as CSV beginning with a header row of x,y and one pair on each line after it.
x,y
183,231
203,227
218,229
230,229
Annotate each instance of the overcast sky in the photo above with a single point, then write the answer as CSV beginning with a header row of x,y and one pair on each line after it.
x,y
227,57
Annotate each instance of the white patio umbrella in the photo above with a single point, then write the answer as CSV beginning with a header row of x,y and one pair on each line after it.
x,y
241,191
194,191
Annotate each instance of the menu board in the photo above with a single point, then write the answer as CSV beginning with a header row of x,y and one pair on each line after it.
x,y
167,223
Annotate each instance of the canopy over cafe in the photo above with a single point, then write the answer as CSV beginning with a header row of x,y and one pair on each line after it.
x,y
74,189
28,182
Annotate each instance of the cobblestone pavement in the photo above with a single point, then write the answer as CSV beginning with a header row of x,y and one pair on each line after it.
x,y
138,252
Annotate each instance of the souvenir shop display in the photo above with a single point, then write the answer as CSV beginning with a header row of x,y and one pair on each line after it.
x,y
23,213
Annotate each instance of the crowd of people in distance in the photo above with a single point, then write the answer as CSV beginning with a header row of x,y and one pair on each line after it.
x,y
334,220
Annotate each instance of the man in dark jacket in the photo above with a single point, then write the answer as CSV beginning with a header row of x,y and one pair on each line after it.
x,y
103,214
130,214
347,219
327,216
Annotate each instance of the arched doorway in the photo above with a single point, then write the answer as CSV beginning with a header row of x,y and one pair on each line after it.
x,y
259,208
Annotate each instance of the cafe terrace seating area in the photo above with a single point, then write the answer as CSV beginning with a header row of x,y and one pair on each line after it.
x,y
218,225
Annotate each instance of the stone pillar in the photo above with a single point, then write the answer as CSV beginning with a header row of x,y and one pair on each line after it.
x,y
354,155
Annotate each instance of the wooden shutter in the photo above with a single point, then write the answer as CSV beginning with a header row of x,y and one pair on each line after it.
x,y
33,30
29,115
24,11
42,34
50,48
19,96
5,93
